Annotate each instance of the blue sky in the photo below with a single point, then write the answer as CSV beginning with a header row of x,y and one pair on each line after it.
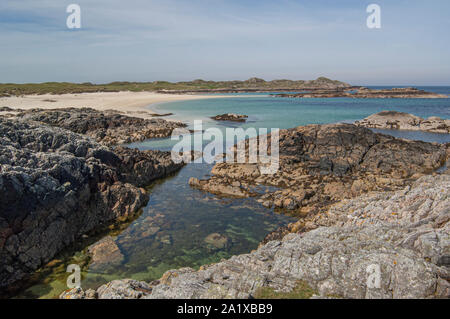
x,y
174,40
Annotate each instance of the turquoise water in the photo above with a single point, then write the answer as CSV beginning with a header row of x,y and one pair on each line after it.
x,y
290,112
269,112
173,229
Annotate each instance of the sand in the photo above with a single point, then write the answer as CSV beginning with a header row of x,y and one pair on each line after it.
x,y
132,103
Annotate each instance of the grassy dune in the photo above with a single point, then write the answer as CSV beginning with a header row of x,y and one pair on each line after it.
x,y
12,89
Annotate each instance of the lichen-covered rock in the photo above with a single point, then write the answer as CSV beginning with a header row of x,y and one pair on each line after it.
x,y
124,289
392,120
78,293
117,289
56,186
383,245
322,164
143,167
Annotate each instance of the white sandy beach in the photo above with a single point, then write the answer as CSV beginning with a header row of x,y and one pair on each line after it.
x,y
132,103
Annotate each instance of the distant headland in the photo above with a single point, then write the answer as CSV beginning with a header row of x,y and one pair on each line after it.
x,y
321,87
196,86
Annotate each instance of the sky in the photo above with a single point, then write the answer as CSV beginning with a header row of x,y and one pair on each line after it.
x,y
177,40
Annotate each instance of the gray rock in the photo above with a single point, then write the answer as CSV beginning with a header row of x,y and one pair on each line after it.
x,y
57,186
339,261
404,121
108,127
230,117
323,164
78,293
124,289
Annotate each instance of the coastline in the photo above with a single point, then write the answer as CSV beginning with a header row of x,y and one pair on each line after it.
x,y
151,108
132,103
359,237
110,179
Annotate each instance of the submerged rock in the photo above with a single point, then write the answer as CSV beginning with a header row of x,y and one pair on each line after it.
x,y
152,230
382,245
104,254
166,239
219,188
217,241
393,120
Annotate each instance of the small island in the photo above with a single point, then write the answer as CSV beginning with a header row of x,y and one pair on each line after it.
x,y
366,93
232,117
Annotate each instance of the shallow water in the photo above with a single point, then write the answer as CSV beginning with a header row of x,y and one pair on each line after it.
x,y
265,111
172,229
171,234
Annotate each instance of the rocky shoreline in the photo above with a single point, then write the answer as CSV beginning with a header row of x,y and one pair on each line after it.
x,y
107,127
365,93
392,120
323,164
58,186
366,200
403,235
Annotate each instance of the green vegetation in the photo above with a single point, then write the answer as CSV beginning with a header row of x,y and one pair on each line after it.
x,y
11,89
301,291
